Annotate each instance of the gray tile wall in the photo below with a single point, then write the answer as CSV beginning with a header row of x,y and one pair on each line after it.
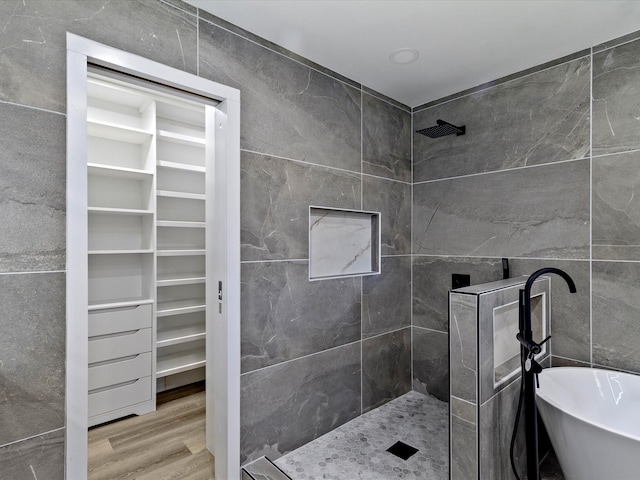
x,y
334,142
546,176
309,137
313,139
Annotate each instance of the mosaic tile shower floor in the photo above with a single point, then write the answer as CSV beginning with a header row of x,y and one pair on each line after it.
x,y
357,449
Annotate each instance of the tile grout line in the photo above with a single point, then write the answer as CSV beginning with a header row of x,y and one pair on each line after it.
x,y
328,167
361,340
380,266
198,18
30,107
411,284
502,170
32,437
34,272
591,210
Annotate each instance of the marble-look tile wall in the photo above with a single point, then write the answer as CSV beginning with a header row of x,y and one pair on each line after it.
x,y
313,139
325,351
546,175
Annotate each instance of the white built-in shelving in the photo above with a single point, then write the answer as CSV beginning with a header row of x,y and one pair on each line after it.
x,y
181,203
121,128
146,204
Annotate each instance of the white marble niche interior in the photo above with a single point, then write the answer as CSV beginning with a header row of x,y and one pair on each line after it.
x,y
343,243
506,351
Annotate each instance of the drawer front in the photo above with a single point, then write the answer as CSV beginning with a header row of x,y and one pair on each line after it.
x,y
104,322
120,397
108,374
117,346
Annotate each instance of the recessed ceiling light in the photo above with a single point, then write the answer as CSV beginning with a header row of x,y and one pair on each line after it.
x,y
404,55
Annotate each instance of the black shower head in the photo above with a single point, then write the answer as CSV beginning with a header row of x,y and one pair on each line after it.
x,y
442,129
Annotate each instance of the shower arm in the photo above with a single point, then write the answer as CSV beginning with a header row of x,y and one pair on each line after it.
x,y
528,349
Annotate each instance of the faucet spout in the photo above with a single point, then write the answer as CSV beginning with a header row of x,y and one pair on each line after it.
x,y
542,271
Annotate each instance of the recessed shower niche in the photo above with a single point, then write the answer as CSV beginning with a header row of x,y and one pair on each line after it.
x,y
343,243
506,352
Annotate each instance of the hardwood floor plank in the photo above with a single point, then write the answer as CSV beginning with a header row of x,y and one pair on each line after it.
x,y
134,463
163,412
101,448
174,428
166,444
195,467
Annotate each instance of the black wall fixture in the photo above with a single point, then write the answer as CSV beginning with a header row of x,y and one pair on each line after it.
x,y
442,129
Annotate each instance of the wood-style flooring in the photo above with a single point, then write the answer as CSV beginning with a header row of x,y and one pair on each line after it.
x,y
166,444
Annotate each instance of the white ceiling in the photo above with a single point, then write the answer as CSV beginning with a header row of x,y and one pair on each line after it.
x,y
462,43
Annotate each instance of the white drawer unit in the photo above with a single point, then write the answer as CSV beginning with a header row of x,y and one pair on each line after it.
x,y
103,375
118,397
119,345
113,320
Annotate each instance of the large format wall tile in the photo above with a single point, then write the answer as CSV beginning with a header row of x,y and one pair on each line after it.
x,y
386,140
570,312
616,309
616,99
287,405
288,109
616,210
530,212
32,189
386,368
386,298
539,118
463,347
432,281
393,201
276,195
497,417
285,316
33,42
40,457
431,363
32,354
464,449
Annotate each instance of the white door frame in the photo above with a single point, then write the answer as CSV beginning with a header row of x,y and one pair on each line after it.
x,y
223,254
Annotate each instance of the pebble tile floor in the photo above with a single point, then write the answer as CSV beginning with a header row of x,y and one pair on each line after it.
x,y
357,449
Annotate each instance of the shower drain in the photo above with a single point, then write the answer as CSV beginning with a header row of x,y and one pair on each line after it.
x,y
402,450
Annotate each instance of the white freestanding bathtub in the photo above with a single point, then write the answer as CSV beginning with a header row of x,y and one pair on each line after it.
x,y
593,419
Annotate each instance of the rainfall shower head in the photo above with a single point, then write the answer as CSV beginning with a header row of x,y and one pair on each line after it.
x,y
442,129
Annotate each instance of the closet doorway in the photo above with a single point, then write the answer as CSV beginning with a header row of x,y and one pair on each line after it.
x,y
152,245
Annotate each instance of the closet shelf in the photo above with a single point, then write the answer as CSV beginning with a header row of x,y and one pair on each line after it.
x,y
119,252
181,306
121,133
178,336
115,93
174,281
181,166
118,303
178,368
180,224
190,196
181,253
118,172
181,138
120,211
